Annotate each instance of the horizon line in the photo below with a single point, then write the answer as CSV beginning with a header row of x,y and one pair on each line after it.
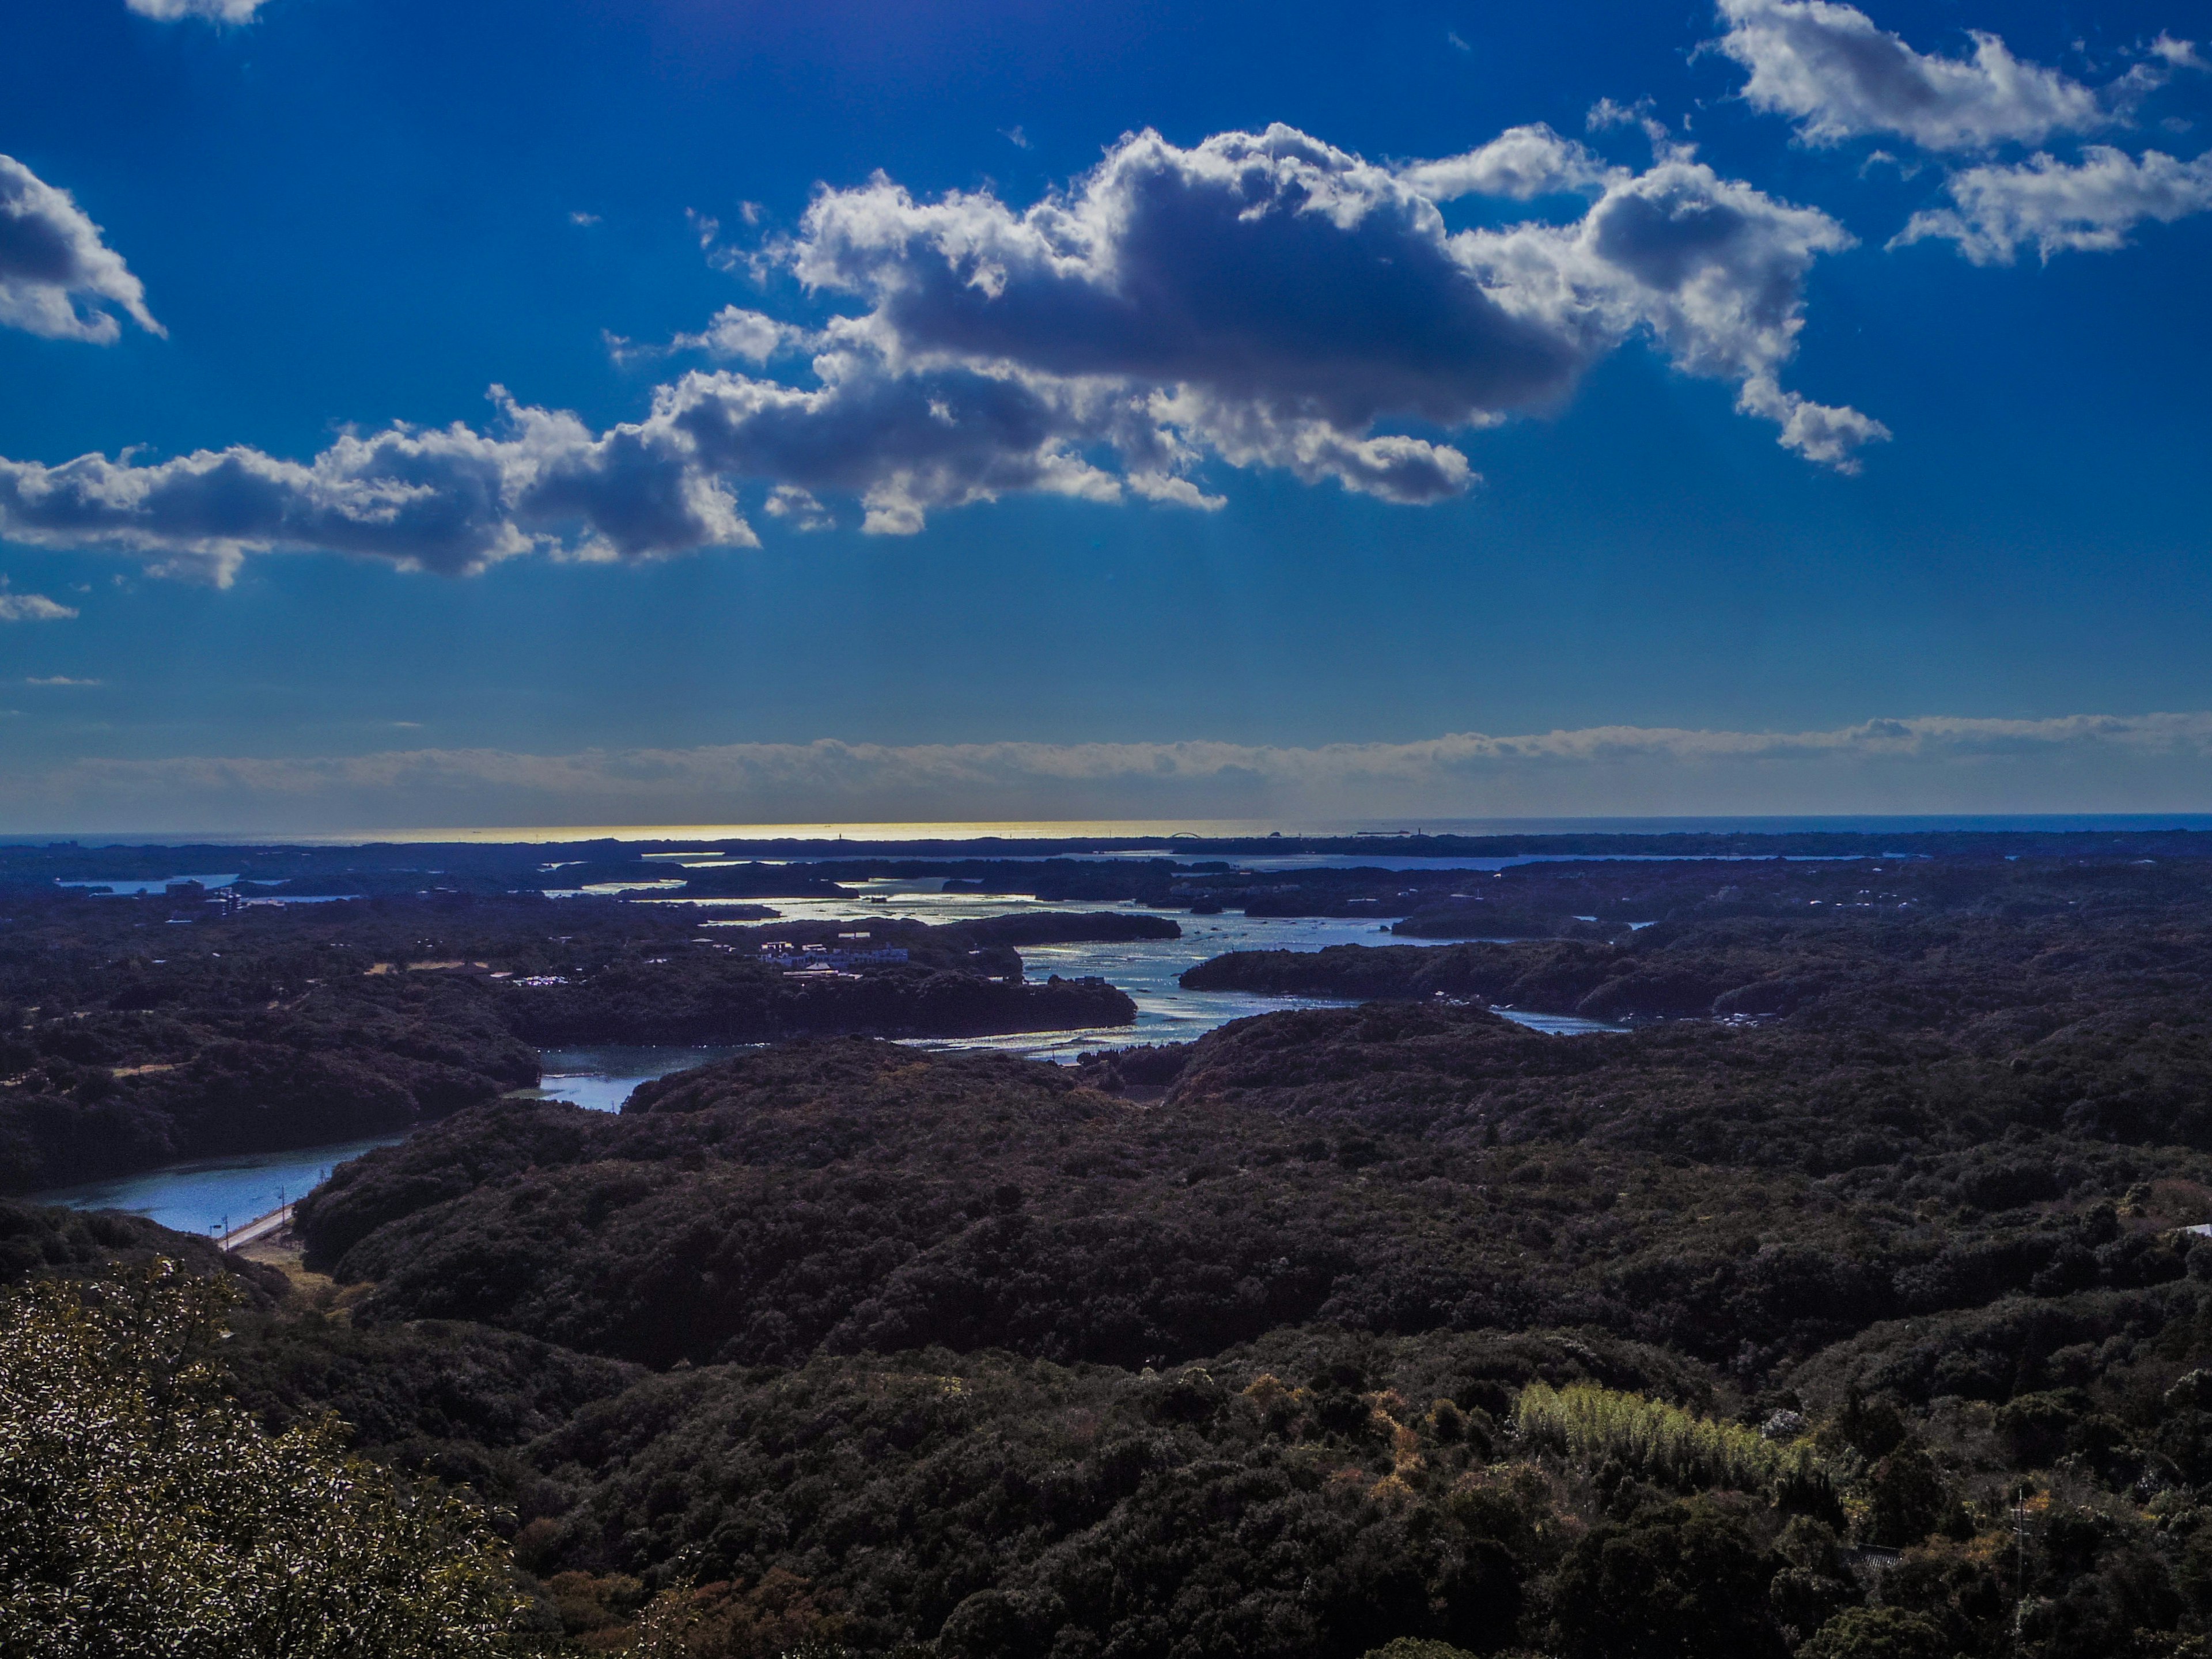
x,y
864,831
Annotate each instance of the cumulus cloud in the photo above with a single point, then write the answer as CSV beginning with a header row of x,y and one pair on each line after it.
x,y
57,277
450,499
1265,299
212,11
1931,764
2088,206
30,607
1260,300
1520,164
1838,76
735,332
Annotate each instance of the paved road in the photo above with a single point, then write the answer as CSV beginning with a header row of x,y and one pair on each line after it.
x,y
258,1229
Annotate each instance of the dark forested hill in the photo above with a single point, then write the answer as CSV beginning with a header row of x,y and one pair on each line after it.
x,y
1845,1303
1347,1166
139,1032
739,1001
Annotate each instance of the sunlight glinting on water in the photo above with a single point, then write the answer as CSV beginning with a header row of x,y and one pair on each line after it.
x,y
200,1197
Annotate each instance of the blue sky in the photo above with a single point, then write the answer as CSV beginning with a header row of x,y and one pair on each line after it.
x,y
1699,444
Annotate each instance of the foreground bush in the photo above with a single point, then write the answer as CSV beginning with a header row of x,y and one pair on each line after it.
x,y
142,1512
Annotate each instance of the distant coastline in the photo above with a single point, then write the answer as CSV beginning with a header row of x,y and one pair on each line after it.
x,y
848,837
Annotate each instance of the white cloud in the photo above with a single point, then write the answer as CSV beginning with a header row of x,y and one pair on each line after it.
x,y
1518,165
1840,76
1606,113
1712,268
2177,54
1270,299
1835,72
212,11
733,332
30,607
2086,207
1934,764
57,679
57,277
1261,300
798,509
449,499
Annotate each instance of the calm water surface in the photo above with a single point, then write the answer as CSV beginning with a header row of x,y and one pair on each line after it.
x,y
199,1197
206,1196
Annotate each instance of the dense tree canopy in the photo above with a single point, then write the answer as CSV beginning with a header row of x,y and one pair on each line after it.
x,y
1839,1304
143,1513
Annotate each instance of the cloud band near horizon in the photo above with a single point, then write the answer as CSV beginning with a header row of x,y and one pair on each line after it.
x,y
1930,764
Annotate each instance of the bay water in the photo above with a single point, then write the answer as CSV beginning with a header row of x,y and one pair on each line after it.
x,y
204,1197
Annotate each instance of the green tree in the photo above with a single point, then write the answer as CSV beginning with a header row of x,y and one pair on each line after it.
x,y
1906,1496
1876,1633
1678,1580
143,1512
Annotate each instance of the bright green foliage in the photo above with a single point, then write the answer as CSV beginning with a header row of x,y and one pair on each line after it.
x,y
1653,1439
142,1512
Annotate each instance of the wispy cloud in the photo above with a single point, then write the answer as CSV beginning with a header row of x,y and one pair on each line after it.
x,y
1832,70
30,607
2043,203
57,277
1519,165
210,11
57,679
1932,764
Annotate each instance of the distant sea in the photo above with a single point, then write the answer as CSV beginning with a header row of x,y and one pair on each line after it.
x,y
1196,829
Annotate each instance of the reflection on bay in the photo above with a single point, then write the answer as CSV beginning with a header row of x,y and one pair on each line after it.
x,y
201,1197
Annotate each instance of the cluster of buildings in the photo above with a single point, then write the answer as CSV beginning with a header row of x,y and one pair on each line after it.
x,y
851,950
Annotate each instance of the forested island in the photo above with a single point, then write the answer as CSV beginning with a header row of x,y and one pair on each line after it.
x,y
1843,1302
141,1031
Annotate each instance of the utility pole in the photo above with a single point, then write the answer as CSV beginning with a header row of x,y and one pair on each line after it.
x,y
2020,1565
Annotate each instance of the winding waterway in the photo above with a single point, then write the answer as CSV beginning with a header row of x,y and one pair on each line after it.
x,y
206,1196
